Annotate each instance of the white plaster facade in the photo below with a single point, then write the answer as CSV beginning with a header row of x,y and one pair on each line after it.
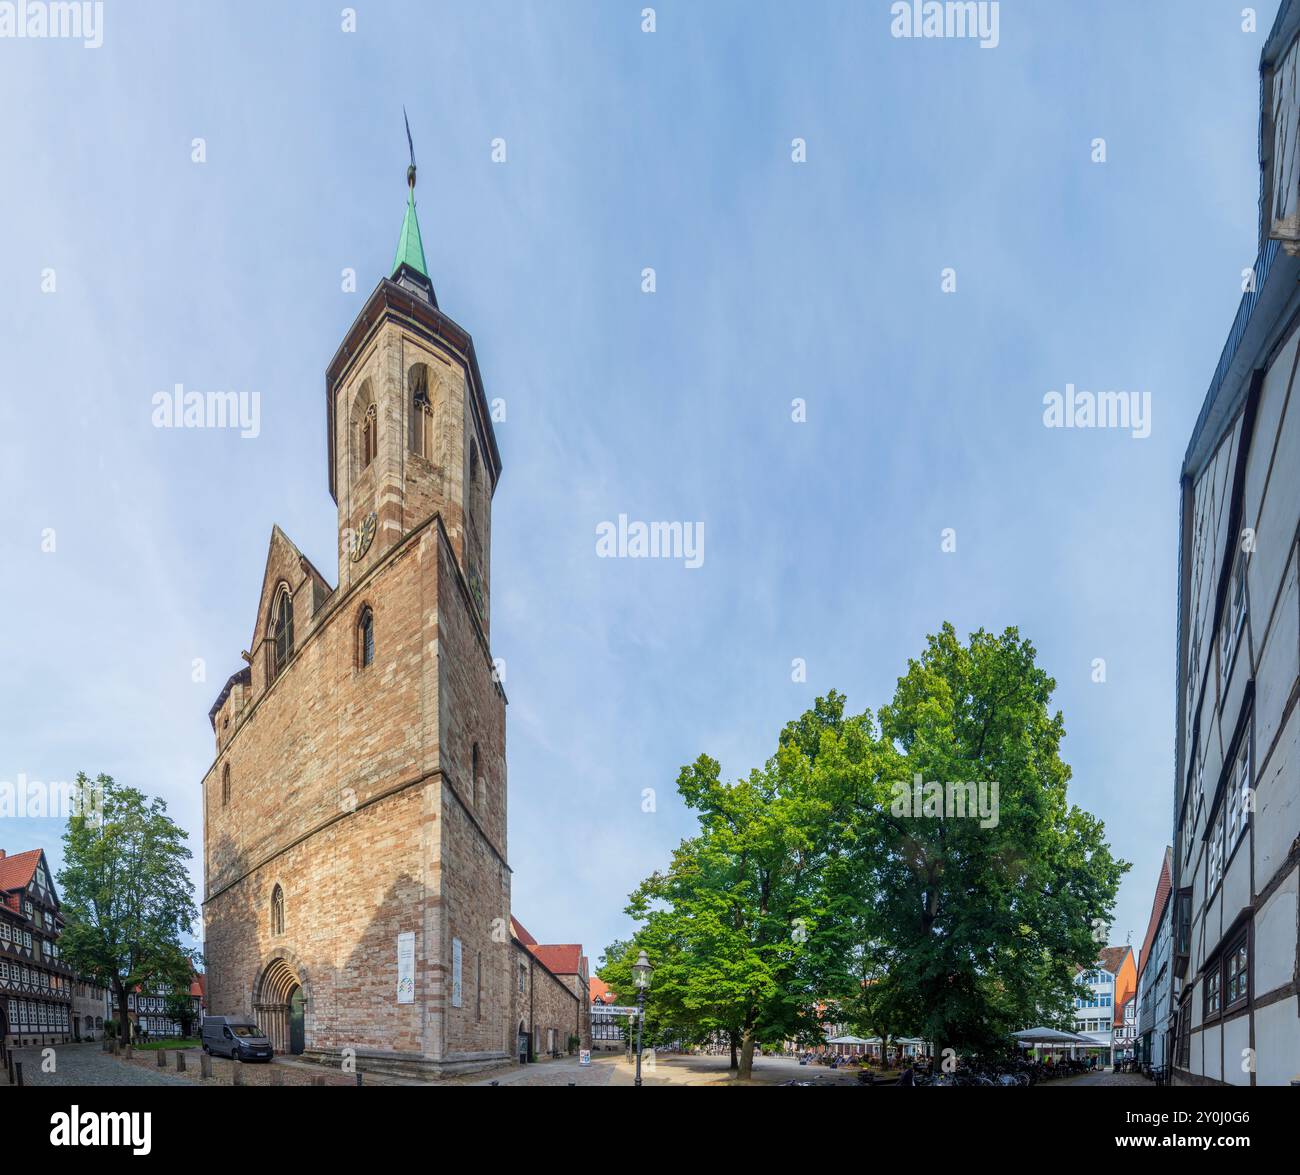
x,y
1235,941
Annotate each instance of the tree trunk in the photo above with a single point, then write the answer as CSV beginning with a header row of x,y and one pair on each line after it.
x,y
731,1036
123,1025
747,1055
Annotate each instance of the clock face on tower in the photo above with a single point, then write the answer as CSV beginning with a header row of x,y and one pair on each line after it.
x,y
365,536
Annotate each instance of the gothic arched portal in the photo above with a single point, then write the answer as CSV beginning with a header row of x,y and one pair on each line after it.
x,y
280,1005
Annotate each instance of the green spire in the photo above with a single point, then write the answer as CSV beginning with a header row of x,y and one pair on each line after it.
x,y
410,249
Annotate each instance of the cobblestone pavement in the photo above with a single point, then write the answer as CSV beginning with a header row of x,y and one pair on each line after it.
x,y
281,1071
88,1064
567,1071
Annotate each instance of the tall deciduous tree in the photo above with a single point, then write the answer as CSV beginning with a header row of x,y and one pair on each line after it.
x,y
919,873
728,924
127,894
977,905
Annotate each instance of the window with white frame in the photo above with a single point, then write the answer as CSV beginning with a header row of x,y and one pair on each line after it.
x,y
1234,618
1242,784
1215,856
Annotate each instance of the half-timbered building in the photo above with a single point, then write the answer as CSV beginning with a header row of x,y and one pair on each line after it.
x,y
36,986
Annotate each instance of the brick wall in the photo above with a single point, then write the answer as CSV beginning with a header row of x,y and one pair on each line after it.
x,y
352,789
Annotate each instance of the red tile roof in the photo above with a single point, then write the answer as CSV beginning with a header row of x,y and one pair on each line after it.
x,y
198,986
600,993
517,929
1112,958
559,959
1164,884
17,872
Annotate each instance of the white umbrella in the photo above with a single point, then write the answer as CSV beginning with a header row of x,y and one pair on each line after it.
x,y
1044,1035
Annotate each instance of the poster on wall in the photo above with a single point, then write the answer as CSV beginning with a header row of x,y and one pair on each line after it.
x,y
406,967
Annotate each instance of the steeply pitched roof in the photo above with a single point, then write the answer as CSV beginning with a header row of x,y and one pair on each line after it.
x,y
517,929
410,248
16,872
1164,885
1112,958
600,992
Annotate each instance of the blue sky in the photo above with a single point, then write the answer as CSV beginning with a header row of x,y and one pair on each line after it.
x,y
775,280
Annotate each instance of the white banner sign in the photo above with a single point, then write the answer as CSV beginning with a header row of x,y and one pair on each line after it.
x,y
406,967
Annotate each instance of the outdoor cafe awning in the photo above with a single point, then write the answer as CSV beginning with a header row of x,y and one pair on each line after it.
x,y
1043,1035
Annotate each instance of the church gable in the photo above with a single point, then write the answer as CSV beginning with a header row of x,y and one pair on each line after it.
x,y
292,596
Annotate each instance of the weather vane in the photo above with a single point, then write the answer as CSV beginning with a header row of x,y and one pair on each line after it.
x,y
410,171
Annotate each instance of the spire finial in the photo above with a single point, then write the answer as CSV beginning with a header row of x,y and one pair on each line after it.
x,y
410,250
410,171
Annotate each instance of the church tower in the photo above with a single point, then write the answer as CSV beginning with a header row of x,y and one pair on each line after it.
x,y
409,425
357,888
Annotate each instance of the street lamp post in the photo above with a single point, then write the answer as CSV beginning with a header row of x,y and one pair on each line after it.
x,y
641,970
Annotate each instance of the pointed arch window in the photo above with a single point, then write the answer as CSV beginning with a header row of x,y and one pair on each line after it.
x,y
369,436
277,910
417,381
282,632
225,786
366,638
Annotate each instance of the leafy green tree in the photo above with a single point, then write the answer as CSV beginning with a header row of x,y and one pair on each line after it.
x,y
972,924
727,926
919,872
127,894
